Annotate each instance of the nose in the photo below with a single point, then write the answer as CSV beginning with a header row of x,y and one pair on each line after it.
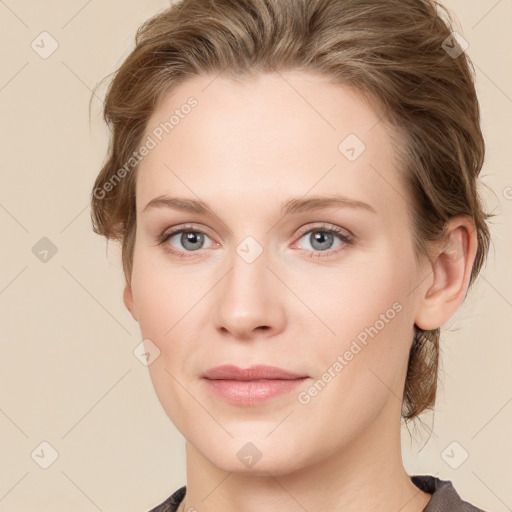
x,y
250,300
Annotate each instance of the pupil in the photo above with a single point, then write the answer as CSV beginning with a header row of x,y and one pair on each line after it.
x,y
323,238
191,238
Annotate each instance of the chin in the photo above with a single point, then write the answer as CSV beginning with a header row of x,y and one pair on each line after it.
x,y
271,465
256,457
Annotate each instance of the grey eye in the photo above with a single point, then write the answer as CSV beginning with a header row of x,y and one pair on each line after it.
x,y
320,239
190,240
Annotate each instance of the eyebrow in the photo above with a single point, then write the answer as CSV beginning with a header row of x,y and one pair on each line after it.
x,y
293,205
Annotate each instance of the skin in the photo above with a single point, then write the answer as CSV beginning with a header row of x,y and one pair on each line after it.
x,y
246,149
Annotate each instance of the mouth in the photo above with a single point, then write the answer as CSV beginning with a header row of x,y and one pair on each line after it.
x,y
259,372
251,386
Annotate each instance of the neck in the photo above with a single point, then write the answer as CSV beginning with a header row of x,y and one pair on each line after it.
x,y
366,473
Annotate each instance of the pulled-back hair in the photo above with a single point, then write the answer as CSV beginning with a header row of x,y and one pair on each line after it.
x,y
396,53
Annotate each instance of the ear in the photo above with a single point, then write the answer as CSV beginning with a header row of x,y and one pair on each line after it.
x,y
451,271
128,300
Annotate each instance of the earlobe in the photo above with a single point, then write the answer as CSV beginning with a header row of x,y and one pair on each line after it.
x,y
128,300
451,271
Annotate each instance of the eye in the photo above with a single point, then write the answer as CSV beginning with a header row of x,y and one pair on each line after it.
x,y
189,238
322,238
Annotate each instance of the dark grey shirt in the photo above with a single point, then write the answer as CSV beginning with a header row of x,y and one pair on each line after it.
x,y
444,497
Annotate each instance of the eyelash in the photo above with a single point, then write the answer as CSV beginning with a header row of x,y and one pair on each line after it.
x,y
323,228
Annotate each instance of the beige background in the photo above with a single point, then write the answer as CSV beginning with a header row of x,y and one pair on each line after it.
x,y
68,373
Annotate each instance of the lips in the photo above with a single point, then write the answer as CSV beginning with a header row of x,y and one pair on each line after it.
x,y
251,386
253,373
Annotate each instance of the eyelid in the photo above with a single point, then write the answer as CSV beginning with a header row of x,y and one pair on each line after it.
x,y
344,235
328,227
301,232
174,230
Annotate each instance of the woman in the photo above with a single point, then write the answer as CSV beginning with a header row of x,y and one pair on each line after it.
x,y
294,183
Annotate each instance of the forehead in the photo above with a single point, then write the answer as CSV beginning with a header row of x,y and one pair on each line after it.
x,y
282,134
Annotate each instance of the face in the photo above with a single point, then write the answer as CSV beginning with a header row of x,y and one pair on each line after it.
x,y
268,274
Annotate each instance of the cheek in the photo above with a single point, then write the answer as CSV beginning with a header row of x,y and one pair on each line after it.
x,y
172,307
363,366
372,294
155,305
157,300
162,293
363,304
369,313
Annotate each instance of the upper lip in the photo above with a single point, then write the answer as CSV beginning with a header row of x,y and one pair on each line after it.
x,y
231,372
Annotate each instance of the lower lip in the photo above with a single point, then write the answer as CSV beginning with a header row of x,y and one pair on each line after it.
x,y
251,392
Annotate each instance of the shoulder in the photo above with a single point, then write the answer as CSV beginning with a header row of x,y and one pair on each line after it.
x,y
444,496
172,502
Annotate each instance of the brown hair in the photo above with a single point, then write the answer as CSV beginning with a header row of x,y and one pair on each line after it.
x,y
394,52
